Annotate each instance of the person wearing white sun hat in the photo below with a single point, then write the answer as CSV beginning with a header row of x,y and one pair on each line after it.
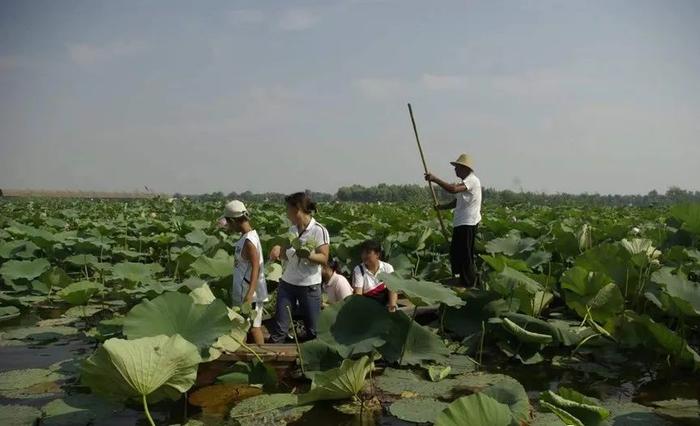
x,y
467,216
249,284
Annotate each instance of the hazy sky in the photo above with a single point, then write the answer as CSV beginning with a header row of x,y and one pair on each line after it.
x,y
200,96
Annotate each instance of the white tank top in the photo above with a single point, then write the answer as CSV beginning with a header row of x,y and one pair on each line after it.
x,y
243,268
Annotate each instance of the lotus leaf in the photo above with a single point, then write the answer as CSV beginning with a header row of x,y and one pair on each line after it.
x,y
176,313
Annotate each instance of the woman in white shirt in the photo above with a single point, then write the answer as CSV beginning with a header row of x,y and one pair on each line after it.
x,y
249,284
301,280
364,276
467,215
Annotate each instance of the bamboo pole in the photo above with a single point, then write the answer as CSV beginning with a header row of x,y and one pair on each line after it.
x,y
425,168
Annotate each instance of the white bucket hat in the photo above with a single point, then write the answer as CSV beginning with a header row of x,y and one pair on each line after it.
x,y
234,209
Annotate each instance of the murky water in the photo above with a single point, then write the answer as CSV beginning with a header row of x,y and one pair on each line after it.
x,y
638,379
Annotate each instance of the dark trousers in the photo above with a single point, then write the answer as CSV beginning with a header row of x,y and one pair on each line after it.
x,y
309,300
462,254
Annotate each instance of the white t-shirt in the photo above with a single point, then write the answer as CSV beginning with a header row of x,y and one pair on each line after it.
x,y
365,279
243,268
337,288
468,209
299,271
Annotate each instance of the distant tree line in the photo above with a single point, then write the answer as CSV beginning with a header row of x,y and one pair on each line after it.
x,y
421,194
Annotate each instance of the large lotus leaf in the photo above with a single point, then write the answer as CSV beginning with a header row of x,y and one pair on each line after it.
x,y
55,277
422,293
513,284
200,238
395,381
680,411
135,272
633,414
688,215
79,293
641,249
202,295
343,382
319,356
82,260
156,367
538,258
231,341
480,306
611,260
217,267
569,333
524,335
176,313
527,353
29,383
591,290
39,333
417,343
78,409
273,272
438,372
510,392
274,409
8,312
573,405
477,409
511,244
356,325
660,338
417,410
251,373
17,249
24,269
685,294
18,415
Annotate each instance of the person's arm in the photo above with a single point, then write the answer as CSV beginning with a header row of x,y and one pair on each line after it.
x,y
358,281
393,300
251,254
343,288
452,188
277,253
320,255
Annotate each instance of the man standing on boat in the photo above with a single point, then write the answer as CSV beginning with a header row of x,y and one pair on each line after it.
x,y
467,215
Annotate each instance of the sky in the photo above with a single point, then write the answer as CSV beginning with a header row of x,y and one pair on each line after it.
x,y
599,96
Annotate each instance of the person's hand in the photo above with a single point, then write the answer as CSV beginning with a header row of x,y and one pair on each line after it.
x,y
303,254
391,308
429,177
248,298
275,253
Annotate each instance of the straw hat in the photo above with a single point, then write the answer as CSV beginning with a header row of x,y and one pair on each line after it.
x,y
463,160
234,209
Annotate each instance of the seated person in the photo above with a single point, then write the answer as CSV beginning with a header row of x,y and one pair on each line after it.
x,y
335,285
364,276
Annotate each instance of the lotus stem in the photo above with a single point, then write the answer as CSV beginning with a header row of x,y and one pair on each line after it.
x,y
481,342
296,340
583,342
248,348
145,408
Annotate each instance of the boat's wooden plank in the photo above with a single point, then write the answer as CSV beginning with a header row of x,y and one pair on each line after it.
x,y
268,352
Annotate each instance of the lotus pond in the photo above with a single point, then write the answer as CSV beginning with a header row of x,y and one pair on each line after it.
x,y
115,313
